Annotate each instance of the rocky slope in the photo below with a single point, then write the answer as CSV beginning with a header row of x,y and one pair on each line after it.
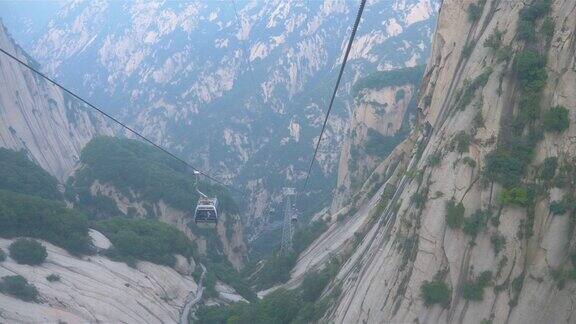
x,y
178,71
479,226
95,289
358,217
382,115
39,118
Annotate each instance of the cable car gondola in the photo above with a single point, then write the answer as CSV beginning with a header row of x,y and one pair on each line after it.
x,y
206,213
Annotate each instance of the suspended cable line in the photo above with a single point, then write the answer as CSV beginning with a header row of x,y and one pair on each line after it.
x,y
128,128
344,60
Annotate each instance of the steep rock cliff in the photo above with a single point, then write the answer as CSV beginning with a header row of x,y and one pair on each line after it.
x,y
480,224
39,118
382,116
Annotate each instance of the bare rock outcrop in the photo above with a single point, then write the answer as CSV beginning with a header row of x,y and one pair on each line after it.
x,y
95,289
470,99
39,118
378,116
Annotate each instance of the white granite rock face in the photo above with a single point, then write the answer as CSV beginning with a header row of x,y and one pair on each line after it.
x,y
375,110
100,241
39,118
94,289
408,245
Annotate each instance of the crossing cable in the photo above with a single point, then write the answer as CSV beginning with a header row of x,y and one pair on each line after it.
x,y
128,128
350,41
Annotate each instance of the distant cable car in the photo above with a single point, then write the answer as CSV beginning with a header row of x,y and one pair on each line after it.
x,y
206,213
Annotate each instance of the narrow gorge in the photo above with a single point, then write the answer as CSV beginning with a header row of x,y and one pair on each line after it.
x,y
444,189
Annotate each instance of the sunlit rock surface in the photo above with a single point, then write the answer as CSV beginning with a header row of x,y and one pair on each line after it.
x,y
95,289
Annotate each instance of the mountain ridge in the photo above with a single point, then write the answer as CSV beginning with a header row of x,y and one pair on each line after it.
x,y
241,119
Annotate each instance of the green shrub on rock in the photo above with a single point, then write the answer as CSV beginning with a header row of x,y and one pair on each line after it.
x,y
548,169
454,214
530,69
22,215
461,142
468,48
558,207
434,159
28,251
144,239
498,242
474,290
380,79
516,196
476,222
418,199
18,286
556,119
53,277
528,16
475,11
547,29
469,161
435,292
19,174
494,41
504,167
